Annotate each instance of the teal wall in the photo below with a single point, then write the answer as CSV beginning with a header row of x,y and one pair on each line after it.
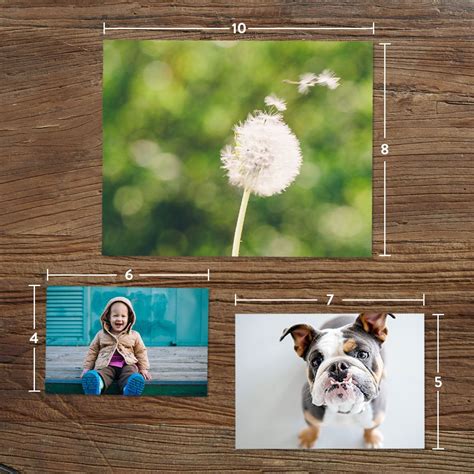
x,y
165,316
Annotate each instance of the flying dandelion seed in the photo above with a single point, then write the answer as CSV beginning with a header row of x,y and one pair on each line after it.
x,y
264,160
274,101
328,78
307,80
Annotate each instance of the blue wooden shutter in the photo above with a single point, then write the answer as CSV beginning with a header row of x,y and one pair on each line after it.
x,y
65,324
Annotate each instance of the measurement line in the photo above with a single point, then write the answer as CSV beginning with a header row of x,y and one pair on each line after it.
x,y
385,207
437,371
278,300
437,344
34,304
34,372
48,275
390,300
34,348
106,28
163,28
437,339
311,28
385,254
170,275
437,424
385,88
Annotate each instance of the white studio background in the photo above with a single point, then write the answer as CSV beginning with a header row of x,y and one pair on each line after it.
x,y
269,378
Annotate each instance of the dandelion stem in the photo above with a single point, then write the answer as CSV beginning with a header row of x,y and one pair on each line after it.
x,y
240,223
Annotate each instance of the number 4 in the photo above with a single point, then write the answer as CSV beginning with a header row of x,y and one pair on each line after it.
x,y
34,338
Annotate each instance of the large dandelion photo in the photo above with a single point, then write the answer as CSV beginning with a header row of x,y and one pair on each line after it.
x,y
237,148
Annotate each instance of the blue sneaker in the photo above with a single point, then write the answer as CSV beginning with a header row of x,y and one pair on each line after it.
x,y
91,383
135,385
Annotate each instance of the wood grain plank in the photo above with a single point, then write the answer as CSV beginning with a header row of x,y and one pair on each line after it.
x,y
168,448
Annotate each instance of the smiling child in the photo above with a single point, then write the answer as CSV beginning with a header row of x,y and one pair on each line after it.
x,y
116,353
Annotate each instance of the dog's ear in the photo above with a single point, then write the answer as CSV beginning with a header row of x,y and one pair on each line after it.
x,y
374,324
303,335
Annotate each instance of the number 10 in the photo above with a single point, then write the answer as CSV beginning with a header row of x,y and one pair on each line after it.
x,y
239,28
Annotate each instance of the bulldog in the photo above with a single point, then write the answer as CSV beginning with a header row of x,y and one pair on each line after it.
x,y
345,372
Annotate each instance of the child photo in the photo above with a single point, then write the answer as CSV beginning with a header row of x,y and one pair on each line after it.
x,y
237,148
343,381
126,341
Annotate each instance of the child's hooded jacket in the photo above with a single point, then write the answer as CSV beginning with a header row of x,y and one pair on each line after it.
x,y
128,343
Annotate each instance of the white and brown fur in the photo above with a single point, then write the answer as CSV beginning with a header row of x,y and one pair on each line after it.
x,y
345,372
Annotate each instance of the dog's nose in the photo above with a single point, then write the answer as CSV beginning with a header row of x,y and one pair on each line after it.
x,y
339,370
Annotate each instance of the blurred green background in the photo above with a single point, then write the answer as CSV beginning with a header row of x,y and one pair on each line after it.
x,y
168,110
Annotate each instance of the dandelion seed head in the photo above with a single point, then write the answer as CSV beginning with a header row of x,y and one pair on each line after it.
x,y
266,156
273,100
227,153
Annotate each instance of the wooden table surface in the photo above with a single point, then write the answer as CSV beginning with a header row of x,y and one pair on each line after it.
x,y
51,155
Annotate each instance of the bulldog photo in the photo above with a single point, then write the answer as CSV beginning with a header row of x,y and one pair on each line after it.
x,y
345,374
356,381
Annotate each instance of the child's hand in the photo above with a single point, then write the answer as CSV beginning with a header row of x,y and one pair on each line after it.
x,y
84,372
146,374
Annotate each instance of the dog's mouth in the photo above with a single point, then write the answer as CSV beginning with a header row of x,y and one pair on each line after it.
x,y
340,393
342,389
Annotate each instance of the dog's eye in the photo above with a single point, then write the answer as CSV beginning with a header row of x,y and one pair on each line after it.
x,y
317,360
362,354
